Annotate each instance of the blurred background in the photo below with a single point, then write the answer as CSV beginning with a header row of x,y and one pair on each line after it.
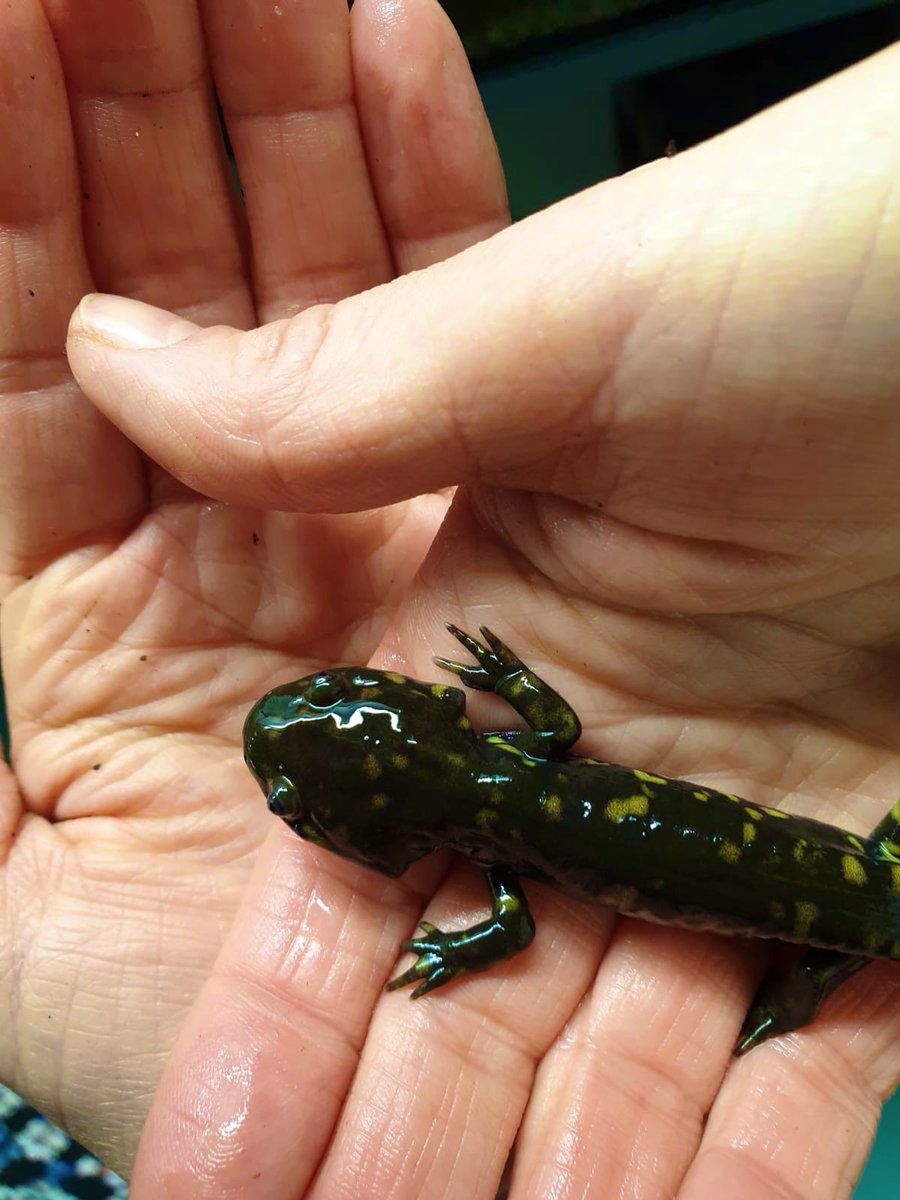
x,y
578,91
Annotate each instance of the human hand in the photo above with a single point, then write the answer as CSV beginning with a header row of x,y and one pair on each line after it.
x,y
139,619
481,549
672,400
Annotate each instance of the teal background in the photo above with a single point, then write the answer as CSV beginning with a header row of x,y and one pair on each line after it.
x,y
555,120
553,113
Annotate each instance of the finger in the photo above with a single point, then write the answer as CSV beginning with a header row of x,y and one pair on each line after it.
x,y
596,329
273,1039
360,142
620,1100
434,164
161,220
286,89
443,1081
797,1116
66,474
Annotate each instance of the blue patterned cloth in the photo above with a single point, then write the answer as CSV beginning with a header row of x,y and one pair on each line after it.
x,y
40,1162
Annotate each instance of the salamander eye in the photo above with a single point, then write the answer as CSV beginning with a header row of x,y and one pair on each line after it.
x,y
324,691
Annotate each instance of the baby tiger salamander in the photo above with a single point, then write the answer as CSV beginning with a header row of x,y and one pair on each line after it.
x,y
383,769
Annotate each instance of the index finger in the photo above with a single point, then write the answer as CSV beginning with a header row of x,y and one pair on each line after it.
x,y
52,495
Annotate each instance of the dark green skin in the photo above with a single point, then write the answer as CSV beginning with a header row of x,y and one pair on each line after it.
x,y
382,770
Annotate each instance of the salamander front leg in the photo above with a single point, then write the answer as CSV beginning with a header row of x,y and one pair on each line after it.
x,y
445,954
553,723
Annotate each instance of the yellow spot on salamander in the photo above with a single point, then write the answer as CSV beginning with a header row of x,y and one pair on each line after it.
x,y
486,817
701,795
311,834
456,761
730,852
648,778
732,796
753,813
799,850
439,690
854,841
369,693
628,806
777,909
749,832
371,766
776,812
889,851
400,761
805,913
623,898
380,800
872,940
895,879
463,723
500,743
853,870
393,677
551,806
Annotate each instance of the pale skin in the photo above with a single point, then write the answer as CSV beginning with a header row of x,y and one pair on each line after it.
x,y
671,405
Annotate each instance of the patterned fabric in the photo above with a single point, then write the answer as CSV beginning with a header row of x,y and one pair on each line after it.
x,y
40,1162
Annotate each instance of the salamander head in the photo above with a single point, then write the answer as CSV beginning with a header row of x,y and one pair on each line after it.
x,y
345,757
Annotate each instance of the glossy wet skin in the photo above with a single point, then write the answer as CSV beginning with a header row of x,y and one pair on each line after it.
x,y
345,756
383,769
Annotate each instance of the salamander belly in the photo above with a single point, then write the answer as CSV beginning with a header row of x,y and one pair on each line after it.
x,y
674,851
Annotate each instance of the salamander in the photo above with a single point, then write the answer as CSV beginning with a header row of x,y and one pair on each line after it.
x,y
383,769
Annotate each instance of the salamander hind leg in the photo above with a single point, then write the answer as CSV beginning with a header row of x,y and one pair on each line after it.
x,y
553,723
793,1000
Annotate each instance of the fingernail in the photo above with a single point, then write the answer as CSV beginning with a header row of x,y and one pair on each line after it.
x,y
129,324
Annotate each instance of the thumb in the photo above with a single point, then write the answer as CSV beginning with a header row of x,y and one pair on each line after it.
x,y
473,369
585,349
